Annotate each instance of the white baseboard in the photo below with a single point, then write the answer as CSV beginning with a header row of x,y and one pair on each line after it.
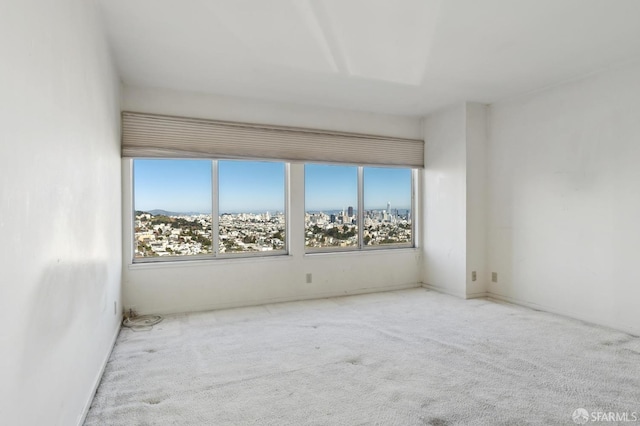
x,y
266,301
626,328
83,416
479,295
444,290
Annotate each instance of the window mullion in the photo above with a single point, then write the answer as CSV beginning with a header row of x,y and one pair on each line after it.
x,y
133,239
215,207
287,207
360,207
414,203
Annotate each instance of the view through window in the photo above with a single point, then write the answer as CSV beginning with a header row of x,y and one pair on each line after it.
x,y
172,203
174,207
332,209
252,200
387,206
331,206
205,208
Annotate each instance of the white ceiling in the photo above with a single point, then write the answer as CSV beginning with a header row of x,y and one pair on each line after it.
x,y
391,56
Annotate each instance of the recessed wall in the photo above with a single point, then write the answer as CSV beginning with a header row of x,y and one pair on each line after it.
x,y
202,285
454,258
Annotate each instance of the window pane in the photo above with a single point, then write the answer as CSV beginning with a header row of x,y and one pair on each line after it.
x,y
387,206
172,204
331,200
252,204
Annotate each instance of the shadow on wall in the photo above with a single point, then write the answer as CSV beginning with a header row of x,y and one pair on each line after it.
x,y
65,298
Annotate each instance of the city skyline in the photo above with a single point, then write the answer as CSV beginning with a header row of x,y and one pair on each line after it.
x,y
182,186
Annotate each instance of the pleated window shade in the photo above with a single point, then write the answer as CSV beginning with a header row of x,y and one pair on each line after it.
x,y
159,136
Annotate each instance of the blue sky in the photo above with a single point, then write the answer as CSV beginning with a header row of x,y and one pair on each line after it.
x,y
173,185
382,185
329,187
256,186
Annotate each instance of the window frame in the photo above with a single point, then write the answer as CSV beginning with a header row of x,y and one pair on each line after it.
x,y
215,217
290,205
361,247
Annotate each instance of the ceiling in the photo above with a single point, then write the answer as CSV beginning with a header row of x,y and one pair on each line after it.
x,y
405,57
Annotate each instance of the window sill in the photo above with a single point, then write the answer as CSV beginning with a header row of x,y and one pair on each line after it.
x,y
368,252
188,263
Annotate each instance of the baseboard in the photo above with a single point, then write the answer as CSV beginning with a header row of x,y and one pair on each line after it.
x,y
480,295
83,416
500,298
444,290
266,301
621,327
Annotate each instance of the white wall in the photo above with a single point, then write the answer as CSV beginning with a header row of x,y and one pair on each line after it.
x,y
476,137
189,286
564,198
454,200
218,107
445,204
59,209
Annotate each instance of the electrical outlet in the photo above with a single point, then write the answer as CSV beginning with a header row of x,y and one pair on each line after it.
x,y
473,276
494,277
309,278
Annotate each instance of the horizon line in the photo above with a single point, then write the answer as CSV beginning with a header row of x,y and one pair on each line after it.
x,y
191,212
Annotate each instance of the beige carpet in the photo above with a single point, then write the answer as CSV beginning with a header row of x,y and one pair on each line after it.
x,y
409,357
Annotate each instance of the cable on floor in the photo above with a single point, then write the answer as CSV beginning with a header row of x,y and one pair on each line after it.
x,y
142,322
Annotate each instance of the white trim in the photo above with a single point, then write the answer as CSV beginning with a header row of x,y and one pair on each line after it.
x,y
415,181
129,205
360,220
627,328
215,209
206,262
96,383
479,295
185,261
287,208
444,290
266,301
382,250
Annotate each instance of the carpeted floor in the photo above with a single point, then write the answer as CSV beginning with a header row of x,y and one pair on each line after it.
x,y
410,357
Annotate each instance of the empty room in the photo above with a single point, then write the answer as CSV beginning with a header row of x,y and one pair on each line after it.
x,y
323,212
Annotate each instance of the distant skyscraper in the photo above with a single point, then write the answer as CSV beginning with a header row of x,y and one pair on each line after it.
x,y
350,211
389,207
332,218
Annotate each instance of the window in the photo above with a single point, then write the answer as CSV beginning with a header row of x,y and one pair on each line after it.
x,y
387,206
251,210
331,200
172,204
204,208
201,209
339,198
